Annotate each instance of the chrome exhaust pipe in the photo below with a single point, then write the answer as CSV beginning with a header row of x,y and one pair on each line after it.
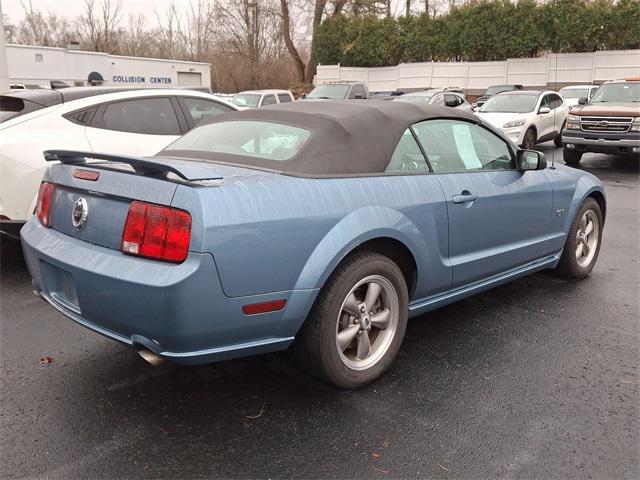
x,y
153,358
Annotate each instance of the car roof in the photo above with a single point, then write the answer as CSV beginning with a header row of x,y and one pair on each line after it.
x,y
262,92
348,138
48,98
577,86
525,92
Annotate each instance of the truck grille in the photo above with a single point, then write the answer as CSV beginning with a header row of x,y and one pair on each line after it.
x,y
605,124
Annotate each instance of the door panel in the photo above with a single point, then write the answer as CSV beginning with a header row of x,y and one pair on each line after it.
x,y
506,226
499,217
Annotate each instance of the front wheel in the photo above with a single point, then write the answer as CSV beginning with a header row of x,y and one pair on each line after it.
x,y
571,157
357,324
529,140
582,246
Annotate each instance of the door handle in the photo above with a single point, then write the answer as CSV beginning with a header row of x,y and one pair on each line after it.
x,y
464,197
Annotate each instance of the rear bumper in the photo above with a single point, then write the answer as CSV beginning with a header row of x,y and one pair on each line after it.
x,y
177,311
628,143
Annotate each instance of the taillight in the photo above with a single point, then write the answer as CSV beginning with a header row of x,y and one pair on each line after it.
x,y
43,210
161,233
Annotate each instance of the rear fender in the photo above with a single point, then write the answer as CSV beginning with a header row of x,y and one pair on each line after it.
x,y
364,224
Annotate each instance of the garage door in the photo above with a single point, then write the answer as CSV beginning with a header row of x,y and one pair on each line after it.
x,y
189,79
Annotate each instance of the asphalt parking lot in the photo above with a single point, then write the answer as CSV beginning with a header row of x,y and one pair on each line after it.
x,y
538,379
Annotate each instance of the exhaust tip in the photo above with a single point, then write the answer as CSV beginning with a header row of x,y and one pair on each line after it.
x,y
152,358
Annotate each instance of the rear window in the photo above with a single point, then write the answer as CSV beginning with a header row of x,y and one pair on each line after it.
x,y
284,97
246,100
265,140
11,107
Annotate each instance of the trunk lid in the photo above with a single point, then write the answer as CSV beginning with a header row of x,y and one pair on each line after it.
x,y
105,201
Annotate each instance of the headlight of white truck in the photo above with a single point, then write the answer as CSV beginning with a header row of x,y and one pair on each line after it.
x,y
635,126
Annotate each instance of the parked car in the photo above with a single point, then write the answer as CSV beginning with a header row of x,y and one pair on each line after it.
x,y
22,101
572,94
608,123
494,90
437,96
138,122
340,91
260,98
527,117
248,235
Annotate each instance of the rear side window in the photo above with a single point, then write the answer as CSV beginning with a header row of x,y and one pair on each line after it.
x,y
284,97
407,157
270,141
83,117
150,116
268,100
200,108
11,107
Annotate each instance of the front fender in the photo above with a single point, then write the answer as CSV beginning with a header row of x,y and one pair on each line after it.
x,y
361,225
585,186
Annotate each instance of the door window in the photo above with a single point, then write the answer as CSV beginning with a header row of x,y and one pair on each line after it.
x,y
150,116
357,92
451,100
407,156
284,97
546,102
200,108
454,146
556,101
268,100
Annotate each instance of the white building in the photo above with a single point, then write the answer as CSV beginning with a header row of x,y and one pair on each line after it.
x,y
29,66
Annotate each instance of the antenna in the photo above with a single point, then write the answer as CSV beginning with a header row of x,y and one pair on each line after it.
x,y
555,76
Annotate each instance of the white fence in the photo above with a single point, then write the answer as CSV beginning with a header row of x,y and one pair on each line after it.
x,y
474,77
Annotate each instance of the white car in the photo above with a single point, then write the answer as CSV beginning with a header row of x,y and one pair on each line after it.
x,y
261,98
574,93
527,117
137,122
436,96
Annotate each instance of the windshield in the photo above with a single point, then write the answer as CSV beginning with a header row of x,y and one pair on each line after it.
x,y
330,92
496,89
617,92
574,92
266,140
421,99
511,103
246,100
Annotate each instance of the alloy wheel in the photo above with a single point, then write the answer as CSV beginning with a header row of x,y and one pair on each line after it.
x,y
367,322
587,237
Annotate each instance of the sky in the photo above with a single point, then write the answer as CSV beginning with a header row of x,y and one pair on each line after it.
x,y
72,8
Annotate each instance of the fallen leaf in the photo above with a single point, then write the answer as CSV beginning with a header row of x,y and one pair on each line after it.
x,y
443,467
45,360
375,455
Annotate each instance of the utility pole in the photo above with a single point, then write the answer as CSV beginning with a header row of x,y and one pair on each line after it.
x,y
4,69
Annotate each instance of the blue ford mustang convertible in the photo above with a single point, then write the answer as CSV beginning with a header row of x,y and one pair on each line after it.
x,y
317,225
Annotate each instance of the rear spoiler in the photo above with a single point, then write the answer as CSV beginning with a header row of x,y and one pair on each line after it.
x,y
140,165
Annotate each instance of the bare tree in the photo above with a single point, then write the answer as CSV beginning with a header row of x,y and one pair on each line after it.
x,y
99,24
286,33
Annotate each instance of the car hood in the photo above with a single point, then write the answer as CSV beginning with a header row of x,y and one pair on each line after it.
x,y
608,109
498,119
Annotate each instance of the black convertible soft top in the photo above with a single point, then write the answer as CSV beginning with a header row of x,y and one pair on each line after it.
x,y
352,137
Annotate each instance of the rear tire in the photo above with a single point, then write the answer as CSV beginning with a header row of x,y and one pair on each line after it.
x,y
582,246
357,323
529,140
571,157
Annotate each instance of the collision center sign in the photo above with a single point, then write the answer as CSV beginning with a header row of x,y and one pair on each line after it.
x,y
139,79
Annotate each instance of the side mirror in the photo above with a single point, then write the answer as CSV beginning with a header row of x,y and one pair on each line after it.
x,y
303,96
358,96
475,109
530,160
583,101
544,110
451,103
